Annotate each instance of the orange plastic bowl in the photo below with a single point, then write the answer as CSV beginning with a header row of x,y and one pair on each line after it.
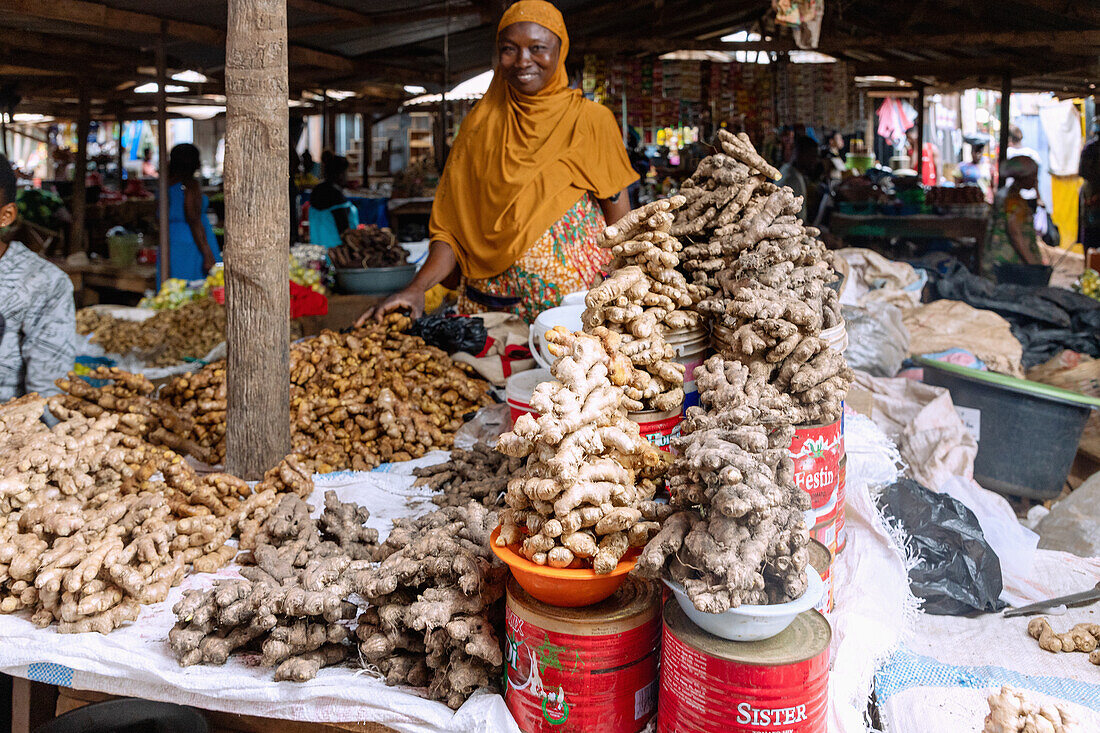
x,y
563,586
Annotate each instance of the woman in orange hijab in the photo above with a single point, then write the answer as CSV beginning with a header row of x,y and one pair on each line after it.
x,y
537,171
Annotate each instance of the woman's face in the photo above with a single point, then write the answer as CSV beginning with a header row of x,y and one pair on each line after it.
x,y
528,56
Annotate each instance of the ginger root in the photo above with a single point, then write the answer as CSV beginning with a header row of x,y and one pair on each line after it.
x,y
1012,711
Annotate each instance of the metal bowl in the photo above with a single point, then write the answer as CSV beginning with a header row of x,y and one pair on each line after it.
x,y
374,280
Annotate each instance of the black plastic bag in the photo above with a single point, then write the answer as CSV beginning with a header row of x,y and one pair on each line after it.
x,y
452,333
957,571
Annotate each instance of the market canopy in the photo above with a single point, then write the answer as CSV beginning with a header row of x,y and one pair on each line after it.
x,y
51,47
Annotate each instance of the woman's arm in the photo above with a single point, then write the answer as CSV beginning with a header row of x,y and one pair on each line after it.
x,y
440,263
616,207
193,213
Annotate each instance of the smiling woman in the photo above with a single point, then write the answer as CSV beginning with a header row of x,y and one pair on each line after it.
x,y
536,173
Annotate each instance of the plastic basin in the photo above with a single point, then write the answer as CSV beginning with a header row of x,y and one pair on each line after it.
x,y
566,587
1027,431
374,280
751,622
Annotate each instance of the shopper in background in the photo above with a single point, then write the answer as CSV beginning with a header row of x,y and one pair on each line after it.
x,y
834,156
536,173
975,172
1012,236
800,173
37,319
193,248
1090,191
330,212
1016,145
930,161
148,168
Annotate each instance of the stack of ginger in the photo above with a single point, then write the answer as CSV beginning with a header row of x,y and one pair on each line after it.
x,y
480,474
1013,711
434,603
767,277
577,502
292,596
738,534
95,522
357,399
1084,637
165,339
643,297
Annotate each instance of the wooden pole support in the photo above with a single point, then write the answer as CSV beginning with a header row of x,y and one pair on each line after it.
x,y
165,246
257,272
1006,120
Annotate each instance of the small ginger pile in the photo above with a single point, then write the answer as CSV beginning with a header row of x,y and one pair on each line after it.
x,y
165,339
577,502
642,299
480,474
358,399
766,277
435,600
738,535
292,599
1083,637
96,522
1011,711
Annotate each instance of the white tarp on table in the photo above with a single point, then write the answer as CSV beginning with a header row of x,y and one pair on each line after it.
x,y
873,604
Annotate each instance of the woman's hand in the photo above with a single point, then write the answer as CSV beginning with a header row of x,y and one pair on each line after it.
x,y
208,261
410,299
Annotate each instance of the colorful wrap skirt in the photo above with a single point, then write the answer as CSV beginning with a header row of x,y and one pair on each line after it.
x,y
563,260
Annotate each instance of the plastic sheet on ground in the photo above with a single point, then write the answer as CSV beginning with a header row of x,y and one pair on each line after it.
x,y
939,680
875,279
873,606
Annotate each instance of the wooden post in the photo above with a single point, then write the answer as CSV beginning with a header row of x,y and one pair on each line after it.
x,y
920,133
79,241
256,264
1006,112
164,253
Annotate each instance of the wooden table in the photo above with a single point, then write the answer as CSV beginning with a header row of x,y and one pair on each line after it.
x,y
923,226
135,279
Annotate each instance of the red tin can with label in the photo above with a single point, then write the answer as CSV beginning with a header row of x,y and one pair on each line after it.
x,y
583,669
659,428
817,451
711,685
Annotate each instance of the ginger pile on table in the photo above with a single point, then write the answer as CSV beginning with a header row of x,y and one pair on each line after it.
x,y
164,339
96,522
358,399
480,474
738,535
644,297
766,275
435,600
292,598
577,502
1012,711
1084,637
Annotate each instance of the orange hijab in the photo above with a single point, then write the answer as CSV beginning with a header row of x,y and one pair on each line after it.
x,y
520,162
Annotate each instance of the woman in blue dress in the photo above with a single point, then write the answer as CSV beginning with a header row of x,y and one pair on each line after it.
x,y
193,248
330,212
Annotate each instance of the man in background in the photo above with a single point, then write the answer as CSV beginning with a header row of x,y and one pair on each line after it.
x,y
1090,191
37,318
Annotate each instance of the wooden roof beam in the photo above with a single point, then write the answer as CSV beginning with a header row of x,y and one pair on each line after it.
x,y
360,20
96,15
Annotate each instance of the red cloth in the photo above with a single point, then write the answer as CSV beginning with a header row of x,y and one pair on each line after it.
x,y
306,301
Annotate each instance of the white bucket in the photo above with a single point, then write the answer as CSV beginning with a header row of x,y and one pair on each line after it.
x,y
519,388
691,347
836,337
564,315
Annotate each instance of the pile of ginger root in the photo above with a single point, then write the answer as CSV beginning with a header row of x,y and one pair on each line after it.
x,y
479,474
577,502
435,600
1083,637
737,534
357,399
96,522
644,297
291,602
1012,711
766,276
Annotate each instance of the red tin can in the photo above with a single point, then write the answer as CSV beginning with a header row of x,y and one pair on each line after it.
x,y
583,669
817,451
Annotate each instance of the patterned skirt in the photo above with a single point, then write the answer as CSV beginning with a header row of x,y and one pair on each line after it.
x,y
563,260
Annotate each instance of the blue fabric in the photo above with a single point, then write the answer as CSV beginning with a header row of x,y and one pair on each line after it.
x,y
907,669
371,210
184,258
322,224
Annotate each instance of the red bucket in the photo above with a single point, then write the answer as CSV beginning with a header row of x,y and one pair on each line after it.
x,y
817,451
574,670
659,428
711,685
